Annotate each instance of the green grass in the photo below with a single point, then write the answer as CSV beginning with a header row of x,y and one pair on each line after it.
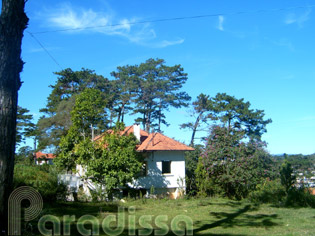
x,y
211,216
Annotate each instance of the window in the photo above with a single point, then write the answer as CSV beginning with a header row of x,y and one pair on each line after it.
x,y
166,167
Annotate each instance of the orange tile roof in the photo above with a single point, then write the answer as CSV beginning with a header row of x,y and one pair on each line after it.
x,y
153,141
160,142
128,130
44,155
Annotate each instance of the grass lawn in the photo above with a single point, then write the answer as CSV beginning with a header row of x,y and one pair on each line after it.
x,y
210,216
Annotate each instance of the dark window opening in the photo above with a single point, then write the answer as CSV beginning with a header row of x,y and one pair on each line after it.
x,y
166,167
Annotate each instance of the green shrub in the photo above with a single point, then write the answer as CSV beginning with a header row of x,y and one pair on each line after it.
x,y
268,192
98,194
42,178
300,197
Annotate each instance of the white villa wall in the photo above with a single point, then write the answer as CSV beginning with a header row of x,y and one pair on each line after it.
x,y
173,183
43,161
176,179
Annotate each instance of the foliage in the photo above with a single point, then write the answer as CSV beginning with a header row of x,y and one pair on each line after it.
x,y
191,162
43,178
70,83
24,124
66,158
158,90
286,176
124,89
24,156
236,113
112,162
299,162
148,90
226,111
300,197
53,127
57,119
232,166
89,113
269,191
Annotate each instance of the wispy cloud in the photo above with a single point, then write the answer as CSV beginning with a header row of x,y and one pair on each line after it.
x,y
166,43
90,21
220,23
293,18
283,42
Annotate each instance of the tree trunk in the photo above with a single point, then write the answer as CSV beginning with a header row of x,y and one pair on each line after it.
x,y
13,21
160,118
195,129
122,113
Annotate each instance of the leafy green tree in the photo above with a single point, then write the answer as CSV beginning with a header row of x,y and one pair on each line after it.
x,y
236,113
159,88
191,163
24,156
51,128
57,119
112,162
24,124
286,176
66,158
233,167
227,111
70,83
89,113
124,88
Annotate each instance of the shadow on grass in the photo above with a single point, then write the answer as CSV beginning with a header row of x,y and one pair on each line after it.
x,y
229,203
79,209
244,216
239,218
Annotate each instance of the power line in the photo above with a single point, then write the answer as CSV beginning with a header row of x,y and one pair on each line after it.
x,y
177,18
42,46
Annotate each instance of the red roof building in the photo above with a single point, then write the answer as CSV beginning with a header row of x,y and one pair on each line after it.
x,y
164,162
43,158
153,141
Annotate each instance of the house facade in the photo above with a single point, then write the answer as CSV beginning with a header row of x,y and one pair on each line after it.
x,y
164,163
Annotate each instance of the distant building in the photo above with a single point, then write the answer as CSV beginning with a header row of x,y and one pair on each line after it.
x,y
43,158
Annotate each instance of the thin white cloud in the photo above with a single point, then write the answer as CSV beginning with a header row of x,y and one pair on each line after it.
x,y
293,18
284,42
220,23
88,20
166,43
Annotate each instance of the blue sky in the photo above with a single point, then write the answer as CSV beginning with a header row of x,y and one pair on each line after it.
x,y
265,57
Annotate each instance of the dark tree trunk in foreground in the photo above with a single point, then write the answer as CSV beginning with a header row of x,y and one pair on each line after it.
x,y
13,21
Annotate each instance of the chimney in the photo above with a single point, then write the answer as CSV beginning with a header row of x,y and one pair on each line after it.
x,y
136,131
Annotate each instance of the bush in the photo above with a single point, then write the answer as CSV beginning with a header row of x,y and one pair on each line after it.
x,y
268,192
42,178
300,197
